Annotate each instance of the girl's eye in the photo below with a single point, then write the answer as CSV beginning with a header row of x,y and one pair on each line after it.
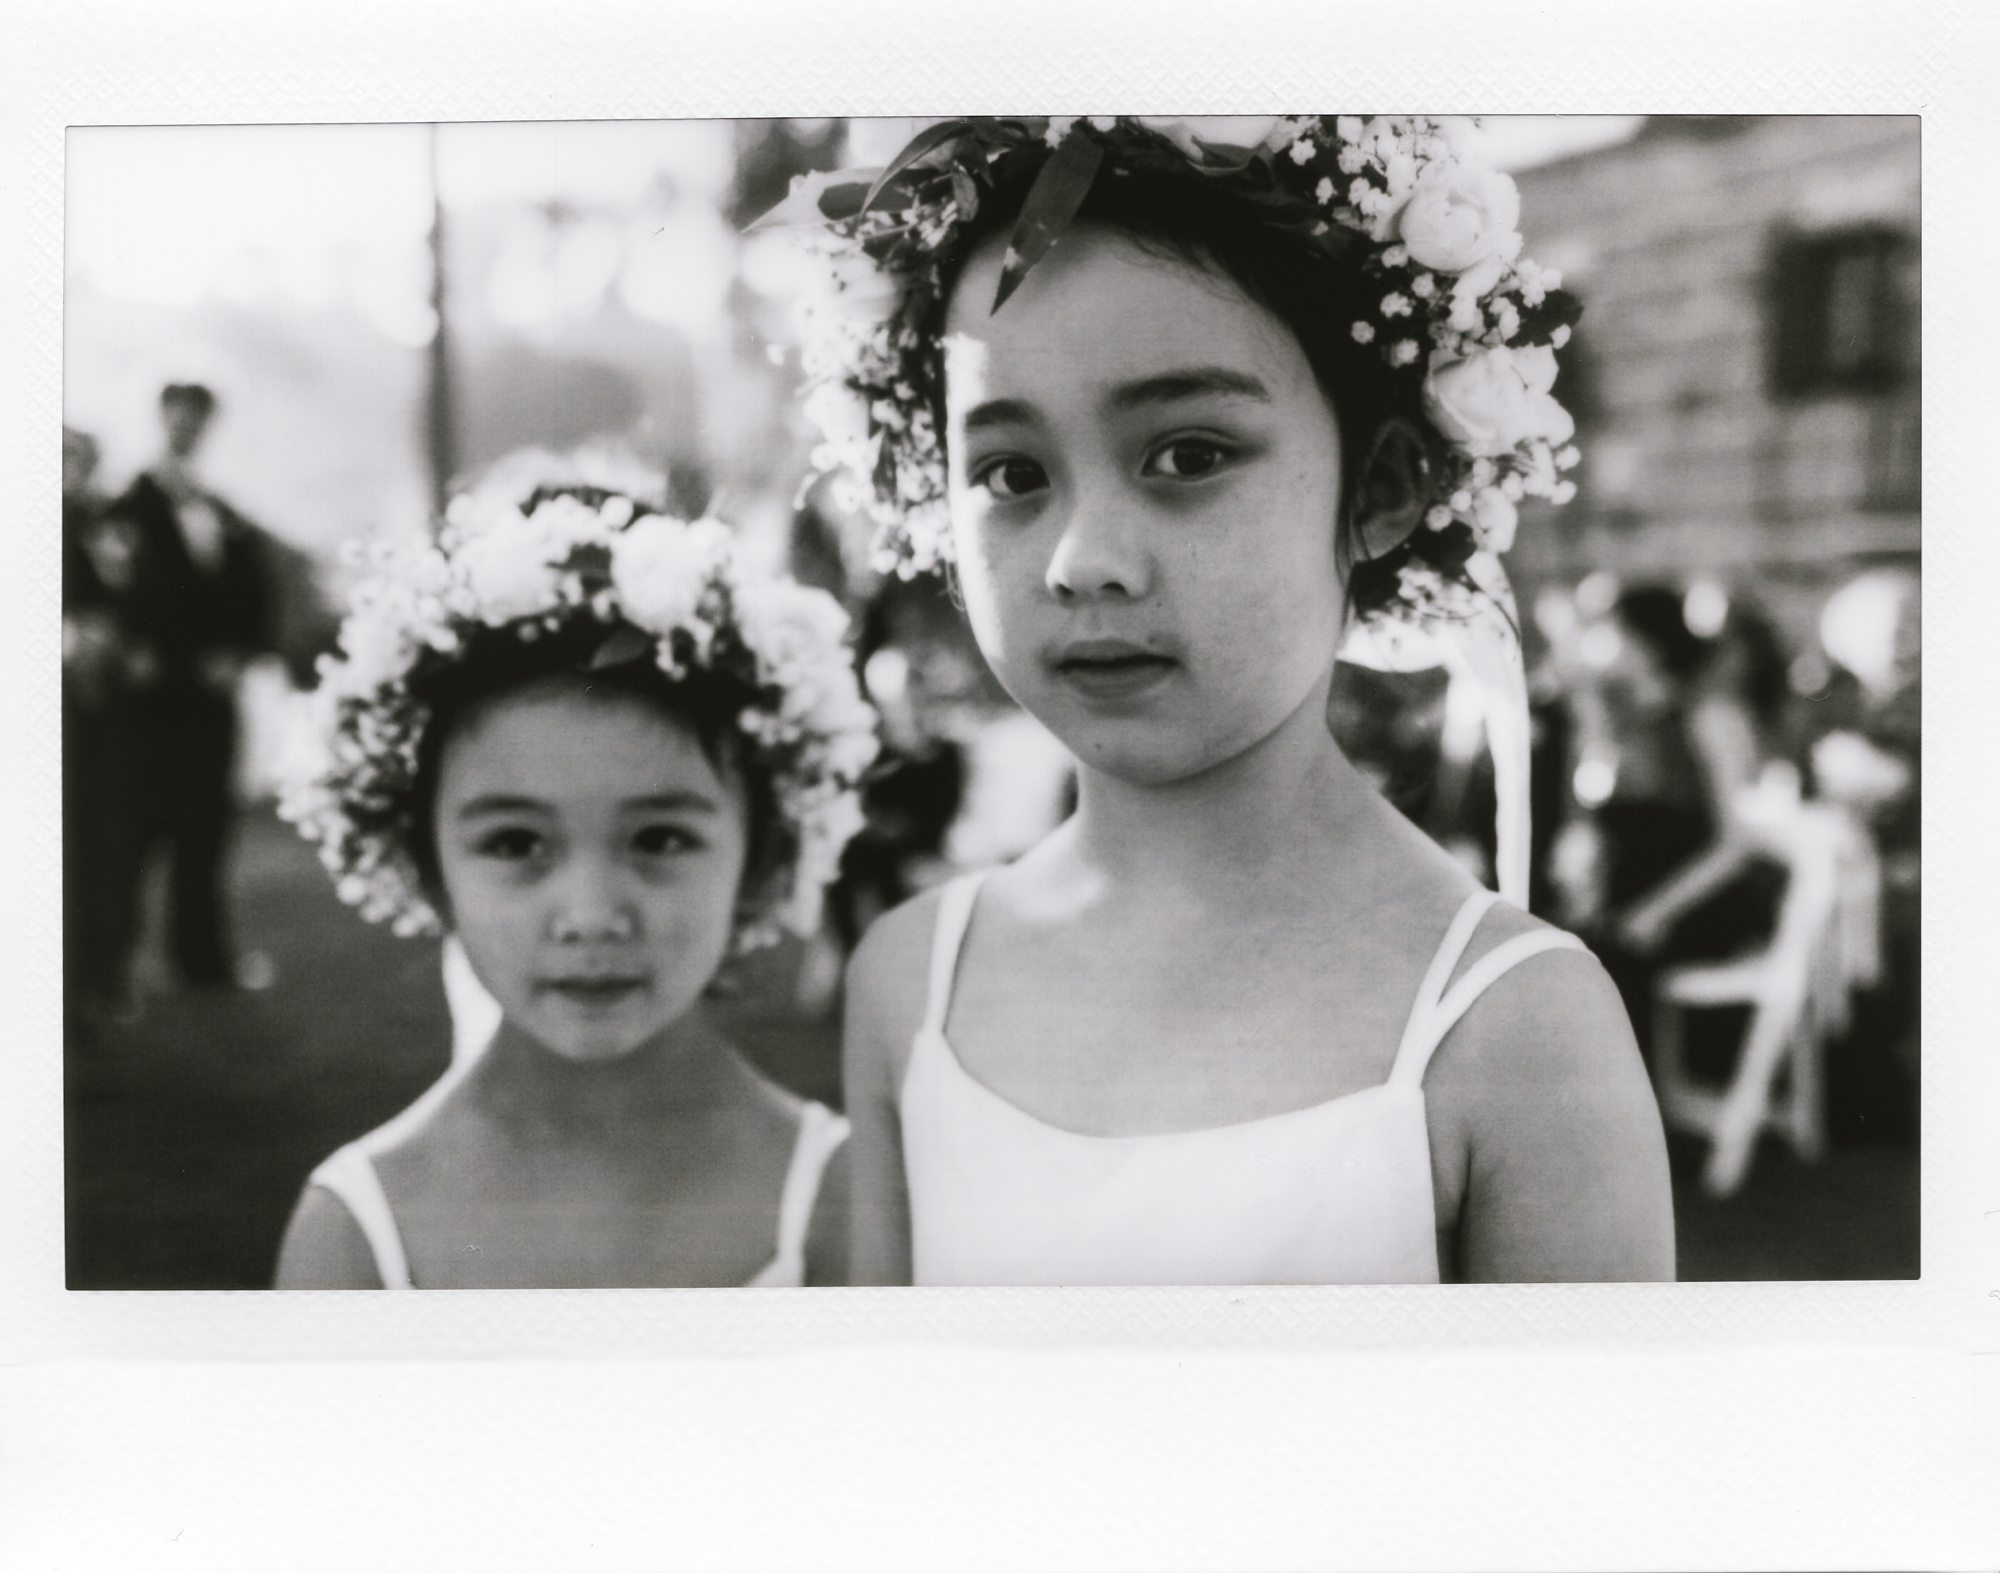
x,y
664,840
1010,478
511,844
1188,458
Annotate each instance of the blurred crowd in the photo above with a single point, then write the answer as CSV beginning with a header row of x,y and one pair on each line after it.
x,y
168,595
1698,776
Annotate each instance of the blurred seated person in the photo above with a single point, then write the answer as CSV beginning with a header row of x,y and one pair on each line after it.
x,y
1722,898
1627,674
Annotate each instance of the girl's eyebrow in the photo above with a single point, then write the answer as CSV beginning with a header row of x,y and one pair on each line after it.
x,y
1168,387
683,801
1191,382
501,803
999,412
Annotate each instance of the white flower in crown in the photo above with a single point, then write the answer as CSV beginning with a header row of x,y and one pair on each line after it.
x,y
375,650
511,574
794,632
1494,400
1459,214
661,567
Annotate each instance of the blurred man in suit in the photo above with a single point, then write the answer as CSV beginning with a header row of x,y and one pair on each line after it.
x,y
203,599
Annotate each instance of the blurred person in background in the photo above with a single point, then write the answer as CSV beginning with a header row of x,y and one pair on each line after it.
x,y
104,666
1675,709
203,597
1733,709
1864,720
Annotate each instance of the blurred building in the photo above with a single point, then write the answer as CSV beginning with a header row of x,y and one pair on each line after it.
x,y
1746,376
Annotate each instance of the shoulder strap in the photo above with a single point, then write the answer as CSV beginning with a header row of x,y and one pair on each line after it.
x,y
821,1132
350,1176
1435,1012
1457,935
953,915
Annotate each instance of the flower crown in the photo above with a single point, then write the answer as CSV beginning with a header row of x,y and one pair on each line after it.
x,y
539,547
1402,199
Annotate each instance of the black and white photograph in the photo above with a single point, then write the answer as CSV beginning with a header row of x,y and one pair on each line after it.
x,y
1230,793
707,703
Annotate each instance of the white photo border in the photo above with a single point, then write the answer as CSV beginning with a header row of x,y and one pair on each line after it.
x,y
1704,1425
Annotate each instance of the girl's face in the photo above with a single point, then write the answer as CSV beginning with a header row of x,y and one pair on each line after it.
x,y
1145,484
592,856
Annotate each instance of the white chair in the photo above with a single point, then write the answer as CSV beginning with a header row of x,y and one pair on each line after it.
x,y
1825,944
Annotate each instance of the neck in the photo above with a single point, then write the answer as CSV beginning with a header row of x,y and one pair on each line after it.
x,y
1273,811
687,1069
175,472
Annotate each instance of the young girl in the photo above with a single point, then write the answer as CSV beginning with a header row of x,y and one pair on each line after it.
x,y
580,735
1178,411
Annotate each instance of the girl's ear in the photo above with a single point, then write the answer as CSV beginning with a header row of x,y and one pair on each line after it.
x,y
1394,491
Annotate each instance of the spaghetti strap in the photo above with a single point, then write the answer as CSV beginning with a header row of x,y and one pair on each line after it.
x,y
1435,1012
351,1177
1457,935
953,915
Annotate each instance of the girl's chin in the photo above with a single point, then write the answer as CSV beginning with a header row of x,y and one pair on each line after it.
x,y
601,1043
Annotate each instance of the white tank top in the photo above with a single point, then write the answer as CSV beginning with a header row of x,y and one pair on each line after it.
x,y
1336,1193
350,1175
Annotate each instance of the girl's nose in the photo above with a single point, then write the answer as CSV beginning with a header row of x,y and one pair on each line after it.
x,y
1100,552
591,907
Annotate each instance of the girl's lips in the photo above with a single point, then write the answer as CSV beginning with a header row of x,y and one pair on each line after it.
x,y
1110,668
594,991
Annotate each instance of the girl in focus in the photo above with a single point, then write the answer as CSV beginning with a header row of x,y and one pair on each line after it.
x,y
1179,408
579,735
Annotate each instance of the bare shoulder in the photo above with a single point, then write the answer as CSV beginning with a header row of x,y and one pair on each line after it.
x,y
324,1247
1546,1112
1558,1006
887,980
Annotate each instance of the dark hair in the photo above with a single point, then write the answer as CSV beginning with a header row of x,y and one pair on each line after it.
x,y
193,394
1190,218
1763,676
497,662
1657,614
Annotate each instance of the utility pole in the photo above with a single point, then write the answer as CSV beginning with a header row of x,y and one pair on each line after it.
x,y
440,414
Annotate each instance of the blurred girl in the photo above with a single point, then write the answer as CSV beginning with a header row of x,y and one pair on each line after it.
x,y
576,733
1177,408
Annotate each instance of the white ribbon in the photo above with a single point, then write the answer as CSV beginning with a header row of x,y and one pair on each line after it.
x,y
1484,650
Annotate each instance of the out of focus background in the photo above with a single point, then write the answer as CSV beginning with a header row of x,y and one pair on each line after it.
x,y
1722,629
